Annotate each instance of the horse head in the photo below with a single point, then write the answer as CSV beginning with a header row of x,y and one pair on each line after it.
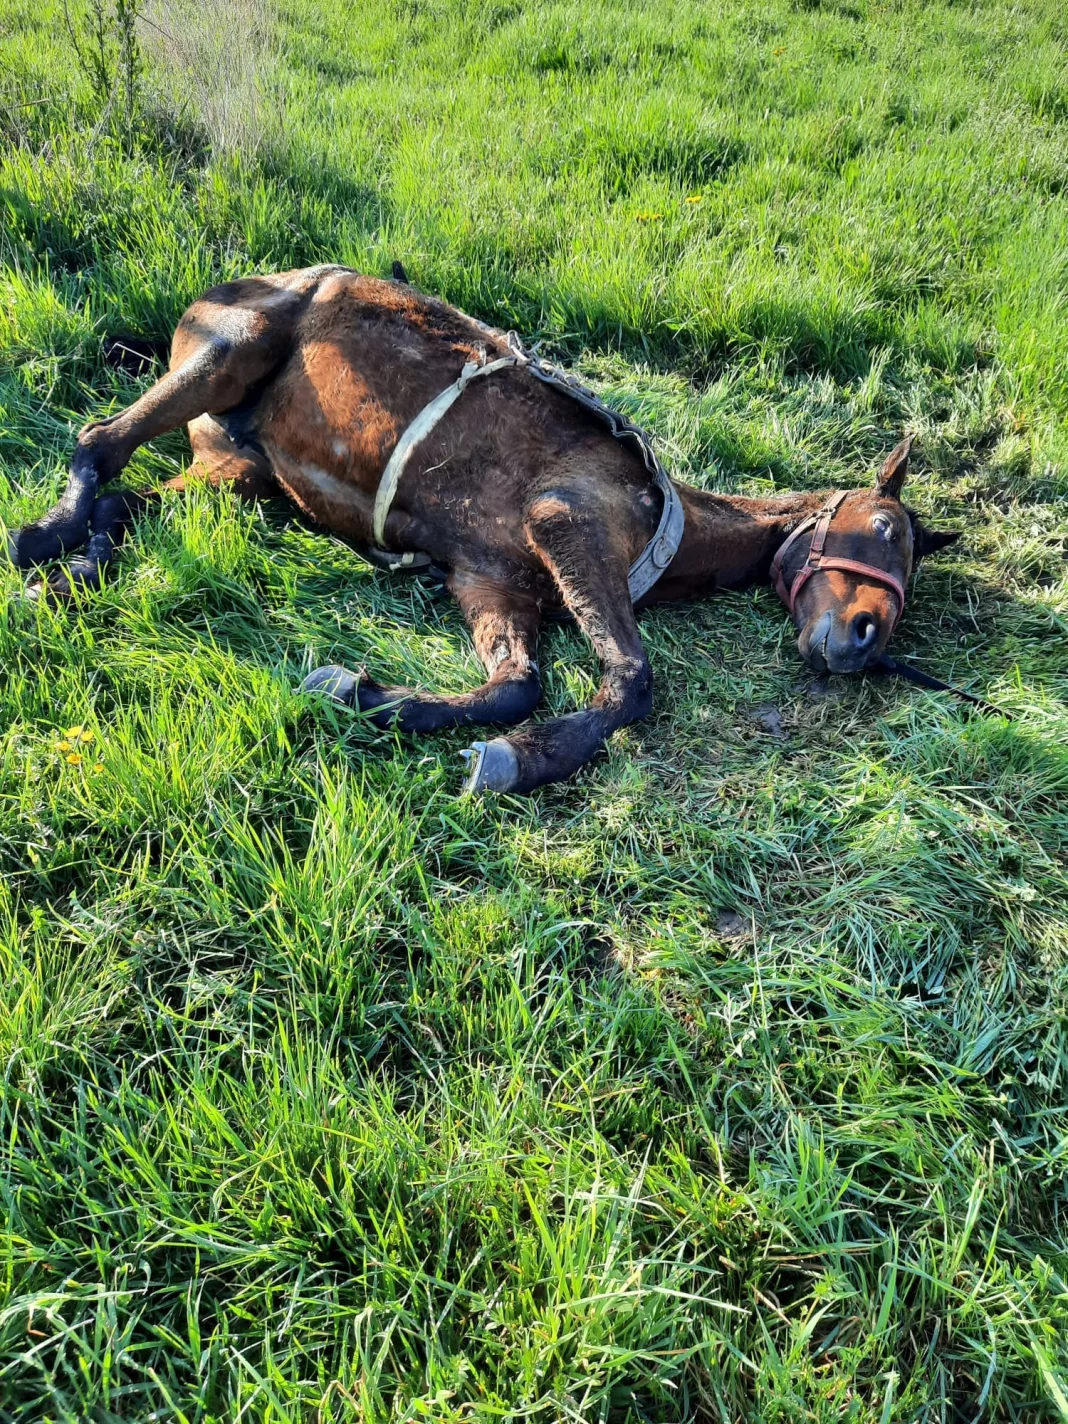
x,y
845,583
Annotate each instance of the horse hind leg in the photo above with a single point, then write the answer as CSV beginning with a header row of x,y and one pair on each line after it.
x,y
216,461
103,449
223,346
111,516
243,469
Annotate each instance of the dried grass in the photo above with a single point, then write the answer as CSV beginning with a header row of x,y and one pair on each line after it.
x,y
216,63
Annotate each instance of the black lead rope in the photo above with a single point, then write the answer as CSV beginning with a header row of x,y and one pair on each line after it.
x,y
924,679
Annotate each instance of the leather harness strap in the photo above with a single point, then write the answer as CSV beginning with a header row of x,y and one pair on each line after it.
x,y
817,560
421,427
657,554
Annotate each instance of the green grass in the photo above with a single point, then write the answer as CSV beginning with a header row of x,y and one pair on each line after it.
x,y
329,1095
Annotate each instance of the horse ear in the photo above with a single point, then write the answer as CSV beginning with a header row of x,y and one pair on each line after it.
x,y
891,477
929,541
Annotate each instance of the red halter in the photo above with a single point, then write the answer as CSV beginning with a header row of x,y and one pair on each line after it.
x,y
817,560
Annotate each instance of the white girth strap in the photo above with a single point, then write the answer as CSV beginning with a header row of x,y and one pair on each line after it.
x,y
421,427
661,548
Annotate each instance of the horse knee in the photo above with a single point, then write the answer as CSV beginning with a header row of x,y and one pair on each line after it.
x,y
513,699
627,690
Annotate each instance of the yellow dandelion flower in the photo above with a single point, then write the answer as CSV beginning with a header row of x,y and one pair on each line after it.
x,y
99,766
74,731
63,746
88,735
75,759
695,198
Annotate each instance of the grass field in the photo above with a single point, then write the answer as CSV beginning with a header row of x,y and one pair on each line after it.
x,y
728,1082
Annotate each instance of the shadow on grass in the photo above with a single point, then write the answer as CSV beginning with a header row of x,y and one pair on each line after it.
x,y
288,216
960,625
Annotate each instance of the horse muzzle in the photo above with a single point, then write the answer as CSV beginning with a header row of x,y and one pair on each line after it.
x,y
831,644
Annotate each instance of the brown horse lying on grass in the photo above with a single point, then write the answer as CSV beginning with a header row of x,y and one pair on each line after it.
x,y
307,381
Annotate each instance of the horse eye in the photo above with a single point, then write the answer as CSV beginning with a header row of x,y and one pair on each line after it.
x,y
883,526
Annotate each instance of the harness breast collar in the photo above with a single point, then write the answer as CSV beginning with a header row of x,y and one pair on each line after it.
x,y
657,554
820,523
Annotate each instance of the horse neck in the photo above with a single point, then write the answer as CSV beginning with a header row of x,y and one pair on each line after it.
x,y
729,542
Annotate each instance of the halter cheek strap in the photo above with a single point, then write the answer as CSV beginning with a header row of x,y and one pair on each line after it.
x,y
817,560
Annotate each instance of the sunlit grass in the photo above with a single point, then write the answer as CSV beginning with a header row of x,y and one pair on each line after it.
x,y
727,1082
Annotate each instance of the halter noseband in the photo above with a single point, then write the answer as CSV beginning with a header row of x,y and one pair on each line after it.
x,y
817,560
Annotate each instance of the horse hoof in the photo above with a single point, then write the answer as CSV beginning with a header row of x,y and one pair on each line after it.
x,y
334,682
30,547
45,591
54,590
491,766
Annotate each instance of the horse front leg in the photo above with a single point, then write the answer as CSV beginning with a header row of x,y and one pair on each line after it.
x,y
591,575
505,630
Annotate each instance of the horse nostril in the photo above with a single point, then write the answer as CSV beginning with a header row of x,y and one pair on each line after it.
x,y
865,630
